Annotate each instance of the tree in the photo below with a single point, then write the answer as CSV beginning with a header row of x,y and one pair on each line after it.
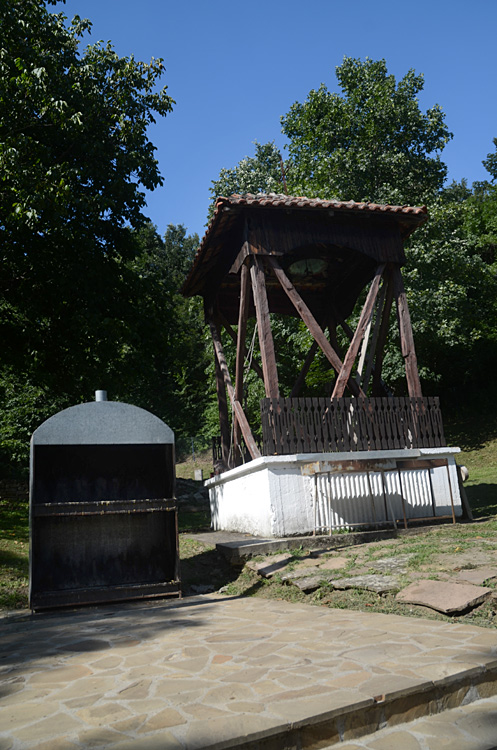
x,y
452,293
260,173
74,153
164,366
372,143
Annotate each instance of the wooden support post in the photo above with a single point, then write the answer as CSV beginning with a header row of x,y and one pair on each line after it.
x,y
264,328
224,422
240,353
345,372
311,322
237,407
406,336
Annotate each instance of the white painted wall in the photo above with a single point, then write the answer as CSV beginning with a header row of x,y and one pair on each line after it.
x,y
279,496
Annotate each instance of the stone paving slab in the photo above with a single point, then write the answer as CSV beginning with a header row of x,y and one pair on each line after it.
x,y
444,596
220,672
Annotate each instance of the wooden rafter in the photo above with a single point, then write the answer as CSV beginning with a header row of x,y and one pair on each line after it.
x,y
406,336
266,342
345,372
237,407
311,323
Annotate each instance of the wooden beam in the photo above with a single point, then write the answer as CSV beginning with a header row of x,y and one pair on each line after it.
x,y
406,336
382,337
240,351
237,407
266,342
311,322
367,310
369,362
224,421
305,369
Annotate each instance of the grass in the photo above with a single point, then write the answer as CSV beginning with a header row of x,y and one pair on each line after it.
x,y
14,556
185,469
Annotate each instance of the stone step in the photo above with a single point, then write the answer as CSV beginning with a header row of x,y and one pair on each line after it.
x,y
384,721
472,726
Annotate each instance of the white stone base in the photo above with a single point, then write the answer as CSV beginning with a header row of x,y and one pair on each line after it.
x,y
279,496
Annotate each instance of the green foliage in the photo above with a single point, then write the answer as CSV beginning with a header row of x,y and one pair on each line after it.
x,y
89,292
372,143
452,294
165,361
260,173
490,163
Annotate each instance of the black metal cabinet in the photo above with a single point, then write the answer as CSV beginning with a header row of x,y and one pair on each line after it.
x,y
103,517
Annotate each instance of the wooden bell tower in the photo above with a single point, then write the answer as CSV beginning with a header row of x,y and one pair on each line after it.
x,y
312,259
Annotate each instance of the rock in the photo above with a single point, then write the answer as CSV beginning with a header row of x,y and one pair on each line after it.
x,y
378,584
334,563
443,596
292,575
393,564
477,576
310,583
271,565
200,588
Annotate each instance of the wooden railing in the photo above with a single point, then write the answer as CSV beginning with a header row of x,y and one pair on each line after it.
x,y
317,425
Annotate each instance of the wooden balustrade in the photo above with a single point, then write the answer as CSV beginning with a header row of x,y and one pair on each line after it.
x,y
316,425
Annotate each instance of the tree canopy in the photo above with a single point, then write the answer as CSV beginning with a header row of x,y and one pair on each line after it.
x,y
261,173
74,155
370,143
373,142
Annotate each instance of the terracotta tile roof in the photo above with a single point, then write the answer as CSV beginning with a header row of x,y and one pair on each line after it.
x,y
288,201
228,209
278,200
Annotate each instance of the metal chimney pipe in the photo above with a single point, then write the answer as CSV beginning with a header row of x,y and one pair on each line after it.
x,y
100,395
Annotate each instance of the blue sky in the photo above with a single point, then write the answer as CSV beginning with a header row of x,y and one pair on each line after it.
x,y
235,68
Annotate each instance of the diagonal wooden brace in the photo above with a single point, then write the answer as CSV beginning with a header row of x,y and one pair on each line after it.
x,y
311,323
237,407
367,310
406,335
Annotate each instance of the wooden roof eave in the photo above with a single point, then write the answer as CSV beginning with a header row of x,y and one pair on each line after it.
x,y
226,228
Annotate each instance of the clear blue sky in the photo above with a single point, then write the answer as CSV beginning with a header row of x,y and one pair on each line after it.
x,y
235,68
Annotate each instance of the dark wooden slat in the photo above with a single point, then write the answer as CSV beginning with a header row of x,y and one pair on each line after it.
x,y
264,328
104,507
350,357
316,424
311,322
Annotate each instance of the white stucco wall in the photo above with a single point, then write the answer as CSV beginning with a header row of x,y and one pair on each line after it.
x,y
278,496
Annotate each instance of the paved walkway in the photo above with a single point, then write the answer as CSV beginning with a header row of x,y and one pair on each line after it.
x,y
217,672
